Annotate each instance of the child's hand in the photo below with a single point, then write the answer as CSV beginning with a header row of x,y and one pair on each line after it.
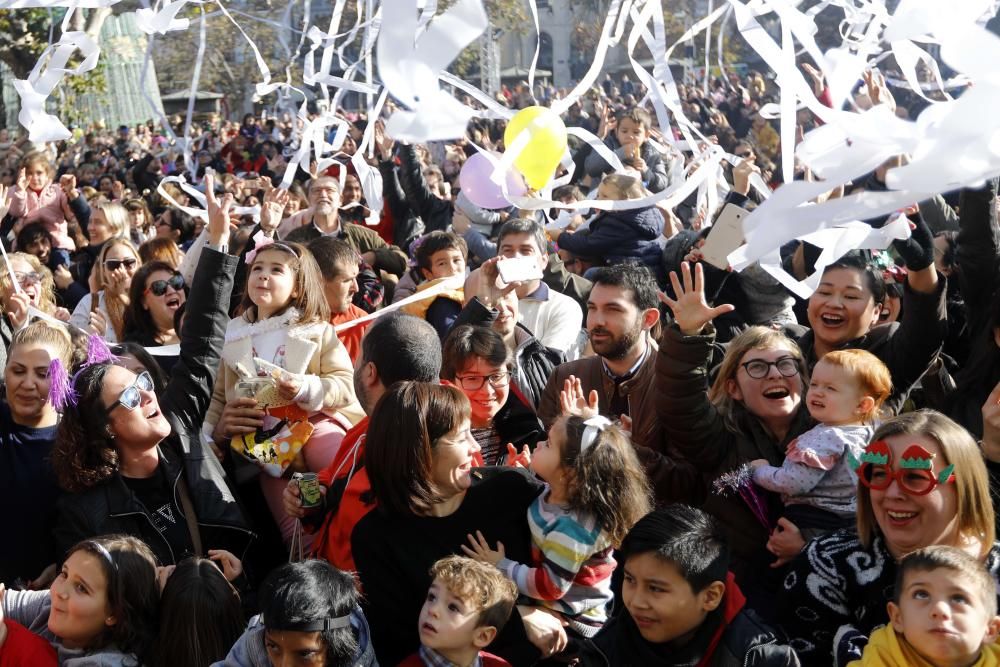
x,y
68,184
515,460
230,564
481,551
22,180
573,401
759,463
288,385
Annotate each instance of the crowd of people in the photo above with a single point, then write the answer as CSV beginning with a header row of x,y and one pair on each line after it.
x,y
327,435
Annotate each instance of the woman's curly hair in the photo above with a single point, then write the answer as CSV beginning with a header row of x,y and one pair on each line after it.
x,y
84,454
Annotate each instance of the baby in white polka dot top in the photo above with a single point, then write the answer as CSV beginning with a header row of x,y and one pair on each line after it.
x,y
816,481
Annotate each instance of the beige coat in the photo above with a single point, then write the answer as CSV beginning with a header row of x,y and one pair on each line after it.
x,y
311,350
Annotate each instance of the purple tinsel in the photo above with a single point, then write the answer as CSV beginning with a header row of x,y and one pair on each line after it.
x,y
98,351
61,391
740,480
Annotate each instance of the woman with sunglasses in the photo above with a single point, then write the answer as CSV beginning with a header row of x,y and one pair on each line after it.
x,y
477,361
134,464
922,482
156,294
752,411
31,287
109,286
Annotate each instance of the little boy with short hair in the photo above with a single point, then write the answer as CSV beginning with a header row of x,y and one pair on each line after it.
x,y
467,605
440,256
630,142
681,601
944,614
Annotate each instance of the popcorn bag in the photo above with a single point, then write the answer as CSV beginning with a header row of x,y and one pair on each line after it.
x,y
272,449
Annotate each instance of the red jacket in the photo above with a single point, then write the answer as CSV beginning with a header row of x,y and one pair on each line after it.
x,y
489,660
351,338
333,543
24,648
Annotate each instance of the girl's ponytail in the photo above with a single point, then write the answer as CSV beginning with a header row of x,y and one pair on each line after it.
x,y
608,481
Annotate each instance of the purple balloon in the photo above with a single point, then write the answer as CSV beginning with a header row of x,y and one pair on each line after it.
x,y
483,192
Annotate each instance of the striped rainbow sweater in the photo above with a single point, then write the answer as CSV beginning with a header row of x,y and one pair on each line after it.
x,y
571,565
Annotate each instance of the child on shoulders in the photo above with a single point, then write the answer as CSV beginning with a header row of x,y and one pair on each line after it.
x,y
440,256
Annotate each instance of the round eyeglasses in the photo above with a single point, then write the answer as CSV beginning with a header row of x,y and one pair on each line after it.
x,y
758,369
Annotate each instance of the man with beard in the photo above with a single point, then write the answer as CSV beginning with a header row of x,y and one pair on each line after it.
x,y
621,313
322,218
395,348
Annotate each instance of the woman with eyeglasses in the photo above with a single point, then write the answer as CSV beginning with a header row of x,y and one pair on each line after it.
x,y
922,482
753,410
109,287
133,462
477,361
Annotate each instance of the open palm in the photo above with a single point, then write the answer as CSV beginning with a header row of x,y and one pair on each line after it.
x,y
691,311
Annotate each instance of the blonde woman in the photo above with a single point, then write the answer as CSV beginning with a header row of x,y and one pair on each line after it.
x,y
922,482
34,288
110,280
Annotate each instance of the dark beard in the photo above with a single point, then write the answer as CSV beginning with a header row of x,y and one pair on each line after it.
x,y
618,347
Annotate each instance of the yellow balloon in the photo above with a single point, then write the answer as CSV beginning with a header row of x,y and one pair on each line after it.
x,y
545,147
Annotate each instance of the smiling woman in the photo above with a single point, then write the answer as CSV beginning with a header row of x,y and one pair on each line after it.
x,y
27,434
753,410
134,464
922,483
420,457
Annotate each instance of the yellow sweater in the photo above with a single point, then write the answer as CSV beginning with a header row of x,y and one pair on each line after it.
x,y
886,648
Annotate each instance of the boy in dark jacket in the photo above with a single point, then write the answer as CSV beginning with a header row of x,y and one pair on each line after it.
x,y
630,143
682,605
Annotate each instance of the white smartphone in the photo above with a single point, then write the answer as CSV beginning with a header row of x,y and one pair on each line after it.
x,y
725,236
518,269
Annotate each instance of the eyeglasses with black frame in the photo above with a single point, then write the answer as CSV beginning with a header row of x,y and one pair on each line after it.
x,y
130,398
476,382
758,369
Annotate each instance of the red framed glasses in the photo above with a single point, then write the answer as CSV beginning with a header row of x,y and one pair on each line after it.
x,y
915,474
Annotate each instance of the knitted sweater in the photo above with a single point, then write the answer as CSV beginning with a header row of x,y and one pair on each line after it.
x,y
835,593
571,565
816,471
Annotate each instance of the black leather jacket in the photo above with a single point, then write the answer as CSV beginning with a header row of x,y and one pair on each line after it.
x,y
111,507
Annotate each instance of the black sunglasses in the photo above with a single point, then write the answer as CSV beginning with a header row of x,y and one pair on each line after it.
x,y
113,264
159,287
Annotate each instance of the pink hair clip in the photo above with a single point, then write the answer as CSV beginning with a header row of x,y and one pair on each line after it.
x,y
260,242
